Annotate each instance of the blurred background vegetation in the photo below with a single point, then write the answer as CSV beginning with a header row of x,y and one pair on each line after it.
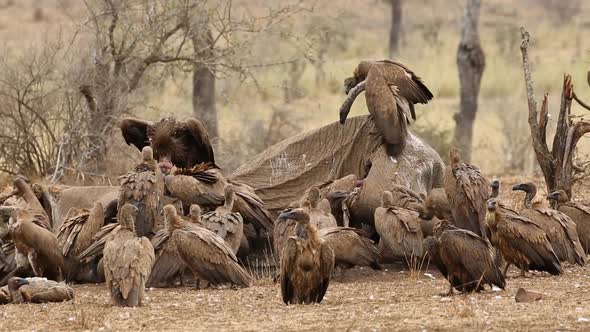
x,y
295,72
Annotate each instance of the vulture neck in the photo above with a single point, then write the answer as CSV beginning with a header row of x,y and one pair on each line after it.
x,y
495,192
307,232
29,197
528,199
15,295
229,200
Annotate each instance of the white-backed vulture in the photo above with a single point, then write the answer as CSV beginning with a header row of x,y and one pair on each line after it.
x,y
202,251
351,247
399,229
559,227
225,223
307,263
38,290
76,234
578,212
142,187
127,261
521,241
464,258
467,191
436,205
391,90
318,217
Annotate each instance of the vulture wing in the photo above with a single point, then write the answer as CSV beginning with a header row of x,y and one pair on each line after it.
x,y
569,228
201,141
350,248
251,207
326,269
55,293
409,85
168,262
288,261
283,230
76,233
210,257
228,225
98,243
135,132
432,246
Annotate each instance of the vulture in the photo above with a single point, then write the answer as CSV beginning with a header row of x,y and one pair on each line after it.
x,y
307,262
76,233
464,258
467,191
318,217
399,229
437,205
495,187
337,200
351,246
405,197
391,90
35,245
521,241
168,265
142,187
559,227
578,212
224,222
94,251
200,250
127,261
182,144
36,290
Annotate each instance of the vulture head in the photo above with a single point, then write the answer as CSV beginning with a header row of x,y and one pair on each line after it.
x,y
491,213
387,199
349,83
530,189
183,144
495,185
299,215
228,193
15,283
559,196
194,213
170,214
147,154
127,216
454,156
313,196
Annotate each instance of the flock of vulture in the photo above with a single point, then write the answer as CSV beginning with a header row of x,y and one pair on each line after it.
x,y
145,237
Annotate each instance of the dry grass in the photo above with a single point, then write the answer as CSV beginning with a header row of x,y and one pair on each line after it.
x,y
364,300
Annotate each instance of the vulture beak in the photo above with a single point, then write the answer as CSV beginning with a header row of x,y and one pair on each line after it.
x,y
287,214
492,204
518,187
495,184
337,194
554,196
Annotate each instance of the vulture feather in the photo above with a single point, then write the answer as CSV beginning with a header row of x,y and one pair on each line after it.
x,y
351,247
37,290
224,222
127,261
578,212
307,263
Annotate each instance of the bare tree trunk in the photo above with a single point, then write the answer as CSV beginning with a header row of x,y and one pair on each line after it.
x,y
396,26
556,164
204,82
471,63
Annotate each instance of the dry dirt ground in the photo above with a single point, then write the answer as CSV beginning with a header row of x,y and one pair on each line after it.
x,y
363,299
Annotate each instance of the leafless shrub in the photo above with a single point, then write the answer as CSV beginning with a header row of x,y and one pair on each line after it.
x,y
563,10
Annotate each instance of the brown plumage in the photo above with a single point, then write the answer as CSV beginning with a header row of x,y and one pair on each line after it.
x,y
578,212
168,264
467,191
202,251
406,198
225,223
464,258
399,229
318,217
142,187
307,263
127,261
35,244
391,90
351,247
94,251
38,290
559,227
183,144
76,234
521,241
437,205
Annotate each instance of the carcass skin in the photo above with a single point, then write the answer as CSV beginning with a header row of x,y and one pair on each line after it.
x,y
283,172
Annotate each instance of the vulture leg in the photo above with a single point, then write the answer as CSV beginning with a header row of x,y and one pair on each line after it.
x,y
522,272
506,270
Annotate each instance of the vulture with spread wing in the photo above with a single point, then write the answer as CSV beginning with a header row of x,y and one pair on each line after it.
x,y
307,262
224,222
559,227
578,212
521,241
391,90
37,290
399,229
76,233
142,187
182,144
465,259
127,261
467,191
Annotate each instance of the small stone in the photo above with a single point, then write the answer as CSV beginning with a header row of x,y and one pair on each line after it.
x,y
522,295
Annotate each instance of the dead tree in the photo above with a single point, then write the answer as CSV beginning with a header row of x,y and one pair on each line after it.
x,y
471,63
557,164
396,26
